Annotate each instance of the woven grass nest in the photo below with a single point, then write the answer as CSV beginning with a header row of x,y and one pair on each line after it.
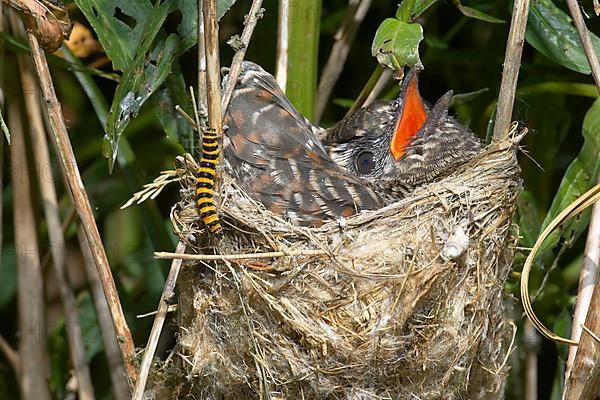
x,y
407,303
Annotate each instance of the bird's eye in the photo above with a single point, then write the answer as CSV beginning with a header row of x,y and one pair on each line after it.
x,y
365,162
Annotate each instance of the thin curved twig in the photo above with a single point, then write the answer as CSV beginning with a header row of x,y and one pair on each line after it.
x,y
578,206
236,64
159,321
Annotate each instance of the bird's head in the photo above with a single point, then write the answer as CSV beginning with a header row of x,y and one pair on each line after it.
x,y
402,143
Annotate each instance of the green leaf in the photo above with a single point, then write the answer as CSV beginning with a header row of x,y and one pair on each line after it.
x,y
304,31
188,28
580,176
126,159
130,34
396,43
139,82
178,129
528,219
476,14
418,8
570,88
550,31
222,6
119,25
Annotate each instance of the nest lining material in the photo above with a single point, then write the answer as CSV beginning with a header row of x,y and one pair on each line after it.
x,y
409,304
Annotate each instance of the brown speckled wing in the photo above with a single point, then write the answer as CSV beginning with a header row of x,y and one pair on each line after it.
x,y
276,156
364,121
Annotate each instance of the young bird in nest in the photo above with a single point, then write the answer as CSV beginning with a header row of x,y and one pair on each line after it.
x,y
372,158
403,143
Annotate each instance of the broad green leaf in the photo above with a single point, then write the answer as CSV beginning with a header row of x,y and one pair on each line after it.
x,y
528,219
418,8
550,31
396,43
126,159
177,128
304,33
131,36
581,175
571,88
138,83
120,26
222,6
188,27
476,14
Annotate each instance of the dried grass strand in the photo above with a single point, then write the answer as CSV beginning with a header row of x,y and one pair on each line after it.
x,y
161,255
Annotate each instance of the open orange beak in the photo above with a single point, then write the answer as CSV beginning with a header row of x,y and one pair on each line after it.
x,y
412,115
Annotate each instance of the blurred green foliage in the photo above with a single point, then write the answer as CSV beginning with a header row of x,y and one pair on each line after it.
x,y
152,48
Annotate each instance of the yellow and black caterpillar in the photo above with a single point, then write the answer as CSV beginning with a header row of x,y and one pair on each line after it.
x,y
205,182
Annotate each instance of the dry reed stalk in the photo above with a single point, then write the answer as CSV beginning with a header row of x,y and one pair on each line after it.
x,y
231,257
202,100
163,308
343,38
283,29
120,387
82,205
510,71
55,230
11,356
585,376
33,351
213,81
213,64
236,64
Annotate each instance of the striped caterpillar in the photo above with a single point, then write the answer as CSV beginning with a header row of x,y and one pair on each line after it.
x,y
205,183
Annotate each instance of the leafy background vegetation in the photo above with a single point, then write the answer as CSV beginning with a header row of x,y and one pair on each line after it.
x,y
154,54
